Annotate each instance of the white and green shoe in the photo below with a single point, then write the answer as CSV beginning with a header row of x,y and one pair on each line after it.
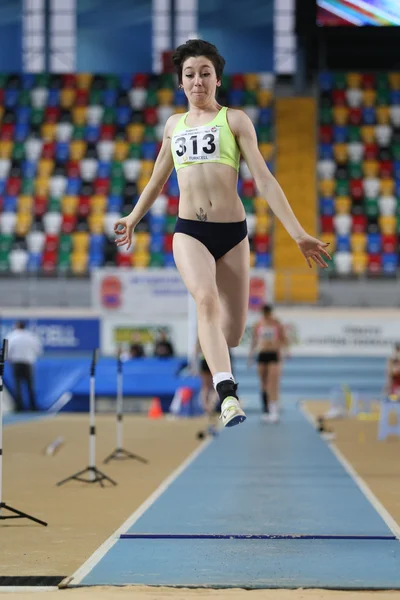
x,y
231,412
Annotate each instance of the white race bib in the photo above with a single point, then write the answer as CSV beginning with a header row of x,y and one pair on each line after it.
x,y
197,144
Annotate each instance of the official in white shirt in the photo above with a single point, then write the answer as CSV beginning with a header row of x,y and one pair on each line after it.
x,y
24,348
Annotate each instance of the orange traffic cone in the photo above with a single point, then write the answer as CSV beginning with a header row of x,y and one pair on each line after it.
x,y
155,410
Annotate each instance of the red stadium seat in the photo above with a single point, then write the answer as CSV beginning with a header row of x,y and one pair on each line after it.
x,y
359,224
389,243
51,243
68,223
339,97
83,206
101,186
327,224
168,242
356,188
326,134
355,116
374,263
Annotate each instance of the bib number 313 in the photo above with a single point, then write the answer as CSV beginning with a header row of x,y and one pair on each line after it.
x,y
197,145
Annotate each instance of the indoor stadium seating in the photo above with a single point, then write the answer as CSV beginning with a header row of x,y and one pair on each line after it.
x,y
76,151
359,171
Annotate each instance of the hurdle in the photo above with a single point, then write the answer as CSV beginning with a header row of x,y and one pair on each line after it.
x,y
16,514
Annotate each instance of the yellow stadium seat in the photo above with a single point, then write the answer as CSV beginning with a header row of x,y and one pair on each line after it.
x,y
252,259
262,223
260,206
264,98
96,222
251,81
387,187
360,261
394,81
353,80
23,224
146,168
383,115
98,204
135,132
340,152
327,187
80,242
340,115
142,182
140,260
69,205
45,167
77,149
42,186
121,150
79,115
328,238
370,168
165,97
48,131
1,112
343,205
369,97
368,134
25,204
6,147
79,262
67,97
387,224
142,241
358,242
266,150
180,109
83,80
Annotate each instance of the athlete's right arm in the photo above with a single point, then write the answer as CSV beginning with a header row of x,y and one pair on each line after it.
x,y
253,344
162,170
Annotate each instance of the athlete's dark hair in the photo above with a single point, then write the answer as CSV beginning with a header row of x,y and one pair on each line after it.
x,y
198,48
267,309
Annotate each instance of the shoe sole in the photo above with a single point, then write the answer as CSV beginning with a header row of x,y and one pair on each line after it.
x,y
235,420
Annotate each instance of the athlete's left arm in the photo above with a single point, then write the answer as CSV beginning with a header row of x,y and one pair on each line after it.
x,y
246,137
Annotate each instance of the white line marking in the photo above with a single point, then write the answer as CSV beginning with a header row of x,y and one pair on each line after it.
x,y
366,490
96,557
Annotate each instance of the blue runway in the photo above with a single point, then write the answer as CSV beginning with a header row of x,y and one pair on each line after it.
x,y
311,526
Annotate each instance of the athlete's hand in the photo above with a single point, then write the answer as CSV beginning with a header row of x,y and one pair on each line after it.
x,y
314,250
124,227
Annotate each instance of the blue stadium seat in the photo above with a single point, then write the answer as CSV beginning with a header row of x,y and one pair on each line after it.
x,y
28,80
34,262
173,188
53,99
114,203
21,132
340,134
374,243
10,204
169,260
73,186
396,169
180,98
103,169
95,260
265,116
327,206
23,114
29,169
10,98
109,98
325,151
236,97
395,97
369,115
96,243
62,151
3,183
124,115
389,263
343,243
157,223
325,81
263,259
125,81
149,150
157,242
92,133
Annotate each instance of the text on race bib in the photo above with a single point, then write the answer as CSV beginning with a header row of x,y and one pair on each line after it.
x,y
199,144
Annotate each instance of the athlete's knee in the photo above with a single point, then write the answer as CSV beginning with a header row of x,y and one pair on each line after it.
x,y
206,303
233,338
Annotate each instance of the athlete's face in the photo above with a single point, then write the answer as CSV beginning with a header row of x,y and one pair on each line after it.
x,y
199,80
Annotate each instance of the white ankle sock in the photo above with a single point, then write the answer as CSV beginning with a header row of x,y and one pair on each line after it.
x,y
218,377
